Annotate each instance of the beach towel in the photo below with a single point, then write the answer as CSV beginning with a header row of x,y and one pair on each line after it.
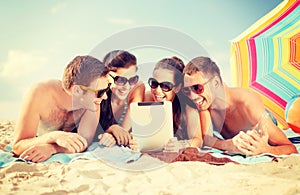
x,y
123,157
220,157
116,154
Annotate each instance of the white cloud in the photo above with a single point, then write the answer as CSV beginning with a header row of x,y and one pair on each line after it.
x,y
121,21
22,64
57,7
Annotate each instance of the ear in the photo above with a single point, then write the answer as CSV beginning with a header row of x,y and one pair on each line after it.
x,y
216,82
76,90
177,89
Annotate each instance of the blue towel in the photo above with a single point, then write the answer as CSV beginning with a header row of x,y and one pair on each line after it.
x,y
242,159
116,154
266,157
120,154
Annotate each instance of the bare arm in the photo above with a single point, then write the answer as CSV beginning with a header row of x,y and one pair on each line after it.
x,y
193,127
27,124
25,139
267,137
88,125
136,95
209,139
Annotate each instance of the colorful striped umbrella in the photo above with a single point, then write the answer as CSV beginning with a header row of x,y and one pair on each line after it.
x,y
266,58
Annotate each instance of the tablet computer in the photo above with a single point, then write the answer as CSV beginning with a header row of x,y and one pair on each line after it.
x,y
152,124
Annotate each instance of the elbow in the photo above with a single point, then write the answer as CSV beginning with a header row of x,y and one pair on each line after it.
x,y
294,149
16,148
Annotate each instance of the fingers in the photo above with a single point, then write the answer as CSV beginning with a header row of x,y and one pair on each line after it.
x,y
67,143
107,140
73,142
247,142
38,153
172,145
122,137
255,135
134,145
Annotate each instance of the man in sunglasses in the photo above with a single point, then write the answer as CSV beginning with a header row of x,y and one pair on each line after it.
x,y
53,109
237,114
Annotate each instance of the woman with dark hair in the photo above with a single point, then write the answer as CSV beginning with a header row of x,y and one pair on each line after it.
x,y
166,83
125,88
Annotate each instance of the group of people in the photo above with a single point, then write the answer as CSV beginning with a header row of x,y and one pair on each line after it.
x,y
92,103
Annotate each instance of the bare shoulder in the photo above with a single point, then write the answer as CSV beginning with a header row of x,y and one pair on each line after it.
x,y
137,93
245,96
140,87
42,89
148,96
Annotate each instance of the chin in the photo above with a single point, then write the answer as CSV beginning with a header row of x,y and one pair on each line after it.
x,y
122,96
202,107
159,99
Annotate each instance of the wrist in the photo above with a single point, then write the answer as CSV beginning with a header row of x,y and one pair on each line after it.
x,y
184,144
56,148
51,137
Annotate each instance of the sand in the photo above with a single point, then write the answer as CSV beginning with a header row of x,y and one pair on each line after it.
x,y
97,177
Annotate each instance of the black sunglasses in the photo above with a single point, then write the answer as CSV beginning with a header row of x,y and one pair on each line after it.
x,y
98,93
198,88
118,80
165,86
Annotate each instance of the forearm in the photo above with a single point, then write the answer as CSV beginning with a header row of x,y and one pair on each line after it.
x,y
283,149
226,145
23,144
194,142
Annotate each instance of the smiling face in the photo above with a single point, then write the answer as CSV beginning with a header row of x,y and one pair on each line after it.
x,y
89,99
204,99
163,75
122,91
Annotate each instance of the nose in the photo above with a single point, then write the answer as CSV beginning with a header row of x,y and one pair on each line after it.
x,y
104,97
192,95
158,89
126,86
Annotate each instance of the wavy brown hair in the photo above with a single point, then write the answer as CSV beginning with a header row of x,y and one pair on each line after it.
x,y
82,70
119,59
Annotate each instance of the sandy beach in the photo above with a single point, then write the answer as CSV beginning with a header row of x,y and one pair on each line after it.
x,y
96,177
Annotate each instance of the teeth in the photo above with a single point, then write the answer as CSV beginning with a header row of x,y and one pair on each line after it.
x,y
200,103
160,98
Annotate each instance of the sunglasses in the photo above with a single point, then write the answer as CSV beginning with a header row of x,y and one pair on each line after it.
x,y
165,86
118,80
198,88
98,93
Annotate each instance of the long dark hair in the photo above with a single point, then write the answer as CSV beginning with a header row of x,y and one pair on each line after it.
x,y
176,65
113,60
119,59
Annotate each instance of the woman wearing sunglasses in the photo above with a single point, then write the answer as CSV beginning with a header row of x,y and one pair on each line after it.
x,y
125,88
165,84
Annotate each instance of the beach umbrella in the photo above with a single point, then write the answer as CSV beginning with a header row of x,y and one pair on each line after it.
x,y
266,58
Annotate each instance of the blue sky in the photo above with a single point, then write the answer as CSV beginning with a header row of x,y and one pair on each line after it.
x,y
39,38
